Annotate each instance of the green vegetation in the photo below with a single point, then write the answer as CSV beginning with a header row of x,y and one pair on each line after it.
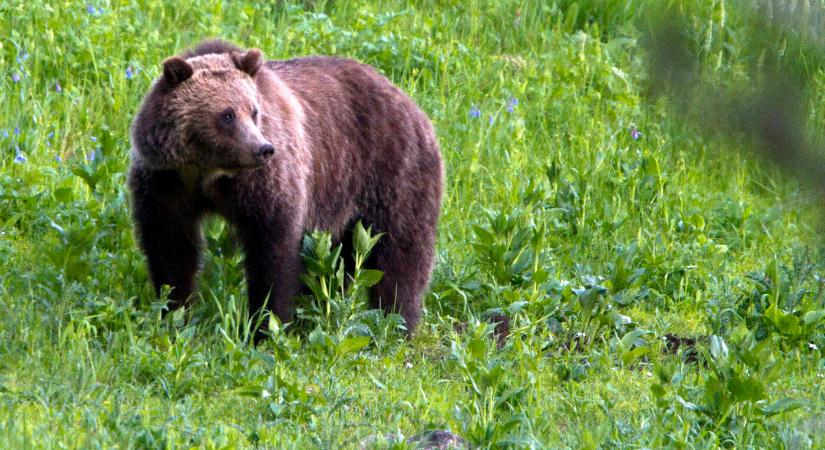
x,y
664,287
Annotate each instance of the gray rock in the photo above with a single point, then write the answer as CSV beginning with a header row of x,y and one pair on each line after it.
x,y
438,440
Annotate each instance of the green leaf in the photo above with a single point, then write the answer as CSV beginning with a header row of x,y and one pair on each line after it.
x,y
377,382
264,357
746,389
63,194
692,406
515,307
657,390
781,406
620,320
774,314
248,390
320,339
87,176
813,317
370,278
718,348
363,240
352,344
789,325
697,221
476,348
13,219
314,286
510,423
632,356
484,236
629,339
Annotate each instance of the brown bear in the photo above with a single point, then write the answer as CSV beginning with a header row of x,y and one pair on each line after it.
x,y
279,148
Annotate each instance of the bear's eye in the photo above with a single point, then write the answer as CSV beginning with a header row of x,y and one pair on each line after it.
x,y
255,114
228,116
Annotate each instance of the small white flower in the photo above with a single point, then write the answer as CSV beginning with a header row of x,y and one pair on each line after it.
x,y
812,346
265,394
408,365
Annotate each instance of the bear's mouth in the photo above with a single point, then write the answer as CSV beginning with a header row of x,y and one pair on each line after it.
x,y
253,163
258,157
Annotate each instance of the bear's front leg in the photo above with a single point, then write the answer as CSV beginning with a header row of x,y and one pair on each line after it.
x,y
273,268
168,231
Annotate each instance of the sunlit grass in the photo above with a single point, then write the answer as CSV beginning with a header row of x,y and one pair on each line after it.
x,y
556,213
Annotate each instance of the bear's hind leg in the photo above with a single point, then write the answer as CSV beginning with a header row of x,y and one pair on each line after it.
x,y
406,267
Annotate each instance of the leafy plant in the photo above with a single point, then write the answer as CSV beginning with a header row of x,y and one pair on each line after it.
x,y
337,311
490,417
733,394
776,307
509,248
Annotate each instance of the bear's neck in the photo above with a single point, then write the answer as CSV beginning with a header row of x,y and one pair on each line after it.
x,y
201,181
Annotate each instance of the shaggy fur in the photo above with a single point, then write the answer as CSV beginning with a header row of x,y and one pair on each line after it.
x,y
348,146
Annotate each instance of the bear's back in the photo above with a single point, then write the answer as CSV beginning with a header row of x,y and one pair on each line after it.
x,y
367,138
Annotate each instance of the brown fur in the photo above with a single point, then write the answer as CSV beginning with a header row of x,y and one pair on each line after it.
x,y
348,145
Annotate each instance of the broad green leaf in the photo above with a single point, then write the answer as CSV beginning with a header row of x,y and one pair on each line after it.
x,y
781,406
476,348
691,406
718,348
320,339
630,339
657,390
370,278
352,344
484,236
632,356
813,317
746,388
697,221
248,390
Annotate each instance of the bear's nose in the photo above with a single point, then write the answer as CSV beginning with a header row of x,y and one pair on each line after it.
x,y
266,150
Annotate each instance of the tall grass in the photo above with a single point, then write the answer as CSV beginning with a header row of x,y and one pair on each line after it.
x,y
575,205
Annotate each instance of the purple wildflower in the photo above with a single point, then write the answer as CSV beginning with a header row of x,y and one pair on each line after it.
x,y
91,10
511,105
17,131
22,57
50,135
491,119
129,73
57,87
94,138
91,156
15,77
635,134
5,133
475,112
58,158
19,157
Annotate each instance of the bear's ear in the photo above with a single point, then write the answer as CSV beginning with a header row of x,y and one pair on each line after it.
x,y
176,70
249,62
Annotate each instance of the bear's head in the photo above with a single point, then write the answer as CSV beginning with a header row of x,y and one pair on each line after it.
x,y
206,112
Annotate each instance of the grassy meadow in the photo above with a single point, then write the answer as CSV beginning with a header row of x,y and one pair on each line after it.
x,y
664,286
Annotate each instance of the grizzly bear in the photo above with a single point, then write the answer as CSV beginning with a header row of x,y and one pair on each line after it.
x,y
279,148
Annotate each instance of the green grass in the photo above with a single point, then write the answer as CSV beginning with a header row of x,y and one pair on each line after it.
x,y
595,244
